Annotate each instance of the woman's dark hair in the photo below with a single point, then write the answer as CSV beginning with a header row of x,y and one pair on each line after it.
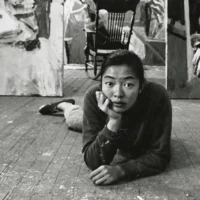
x,y
125,57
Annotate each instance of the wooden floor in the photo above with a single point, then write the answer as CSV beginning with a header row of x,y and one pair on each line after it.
x,y
41,158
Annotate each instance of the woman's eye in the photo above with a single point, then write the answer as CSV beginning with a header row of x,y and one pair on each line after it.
x,y
109,84
129,85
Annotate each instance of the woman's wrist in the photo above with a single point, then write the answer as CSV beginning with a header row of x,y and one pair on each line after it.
x,y
113,124
121,172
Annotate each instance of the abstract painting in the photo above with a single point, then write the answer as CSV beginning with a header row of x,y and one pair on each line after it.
x,y
31,47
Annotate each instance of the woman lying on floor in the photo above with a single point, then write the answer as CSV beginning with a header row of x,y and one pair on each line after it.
x,y
126,122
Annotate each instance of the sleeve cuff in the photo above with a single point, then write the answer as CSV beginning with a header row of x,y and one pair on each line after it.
x,y
130,169
110,135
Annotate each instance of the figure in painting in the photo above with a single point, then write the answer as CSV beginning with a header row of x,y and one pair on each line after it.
x,y
23,19
195,35
152,16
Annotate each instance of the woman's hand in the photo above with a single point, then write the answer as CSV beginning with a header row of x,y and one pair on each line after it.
x,y
106,174
104,105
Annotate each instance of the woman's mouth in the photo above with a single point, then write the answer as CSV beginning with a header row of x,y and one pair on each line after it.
x,y
118,104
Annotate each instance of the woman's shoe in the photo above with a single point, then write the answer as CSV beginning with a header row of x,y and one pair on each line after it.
x,y
51,109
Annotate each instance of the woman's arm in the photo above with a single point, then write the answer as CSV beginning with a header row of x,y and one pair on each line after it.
x,y
99,142
158,155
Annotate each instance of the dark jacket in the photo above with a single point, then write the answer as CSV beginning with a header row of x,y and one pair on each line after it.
x,y
142,145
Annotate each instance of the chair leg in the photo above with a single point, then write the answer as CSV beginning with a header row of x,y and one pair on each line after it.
x,y
95,65
86,51
67,51
86,62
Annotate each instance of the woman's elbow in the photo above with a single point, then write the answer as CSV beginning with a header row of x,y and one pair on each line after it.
x,y
90,162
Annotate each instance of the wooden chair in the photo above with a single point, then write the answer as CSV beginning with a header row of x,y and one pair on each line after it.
x,y
115,34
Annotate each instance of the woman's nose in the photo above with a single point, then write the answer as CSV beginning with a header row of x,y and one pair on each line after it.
x,y
118,91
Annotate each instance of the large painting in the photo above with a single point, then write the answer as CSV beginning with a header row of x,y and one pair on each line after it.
x,y
31,47
183,75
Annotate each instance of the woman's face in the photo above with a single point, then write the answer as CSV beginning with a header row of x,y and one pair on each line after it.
x,y
121,86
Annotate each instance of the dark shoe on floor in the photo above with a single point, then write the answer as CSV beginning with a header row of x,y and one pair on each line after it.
x,y
51,109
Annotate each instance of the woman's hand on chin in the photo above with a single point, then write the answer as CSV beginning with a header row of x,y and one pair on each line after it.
x,y
105,105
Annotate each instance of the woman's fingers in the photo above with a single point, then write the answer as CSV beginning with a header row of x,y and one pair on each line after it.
x,y
100,98
95,172
106,104
100,175
106,174
102,180
98,94
103,102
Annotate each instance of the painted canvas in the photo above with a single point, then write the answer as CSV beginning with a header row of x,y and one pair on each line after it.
x,y
183,75
31,47
149,38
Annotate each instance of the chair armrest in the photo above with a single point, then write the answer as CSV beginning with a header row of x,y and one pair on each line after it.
x,y
89,31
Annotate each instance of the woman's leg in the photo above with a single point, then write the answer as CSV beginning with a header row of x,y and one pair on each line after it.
x,y
73,115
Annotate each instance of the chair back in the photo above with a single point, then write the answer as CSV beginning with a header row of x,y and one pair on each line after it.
x,y
116,32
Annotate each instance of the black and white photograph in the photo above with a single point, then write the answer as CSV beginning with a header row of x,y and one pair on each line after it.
x,y
99,99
